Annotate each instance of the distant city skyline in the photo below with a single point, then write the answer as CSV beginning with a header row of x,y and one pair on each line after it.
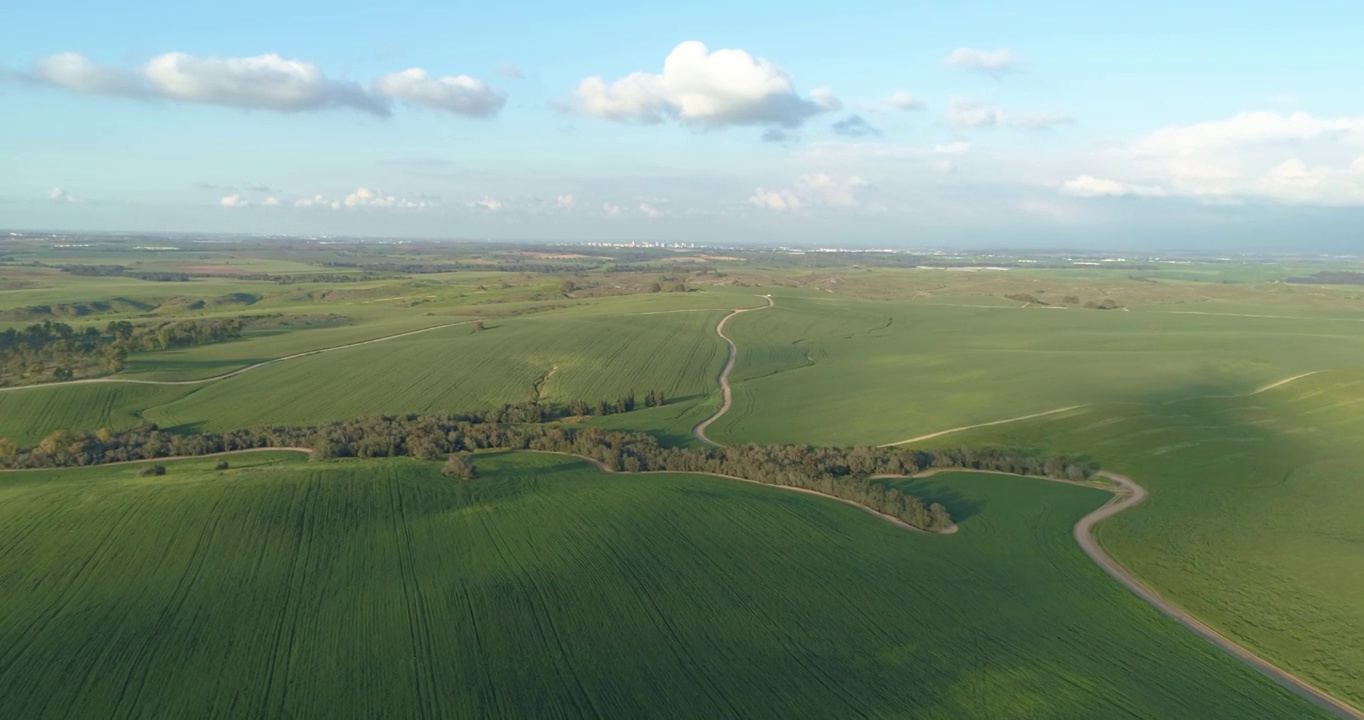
x,y
978,124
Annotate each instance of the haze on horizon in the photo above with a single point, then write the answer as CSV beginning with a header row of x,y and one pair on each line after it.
x,y
1199,125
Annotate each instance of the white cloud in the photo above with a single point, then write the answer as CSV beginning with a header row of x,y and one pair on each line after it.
x,y
705,89
458,94
648,211
990,62
953,148
363,197
59,195
811,189
270,201
775,199
74,72
966,113
265,82
234,200
904,101
510,71
1249,129
489,204
1090,186
609,210
1282,158
564,202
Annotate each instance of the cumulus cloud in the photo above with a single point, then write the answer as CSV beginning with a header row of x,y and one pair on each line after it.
x,y
648,211
564,202
990,62
271,201
902,100
458,94
705,89
488,203
1284,158
264,82
855,126
234,200
609,210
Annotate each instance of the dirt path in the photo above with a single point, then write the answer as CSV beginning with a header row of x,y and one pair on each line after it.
x,y
1129,495
949,431
700,430
238,371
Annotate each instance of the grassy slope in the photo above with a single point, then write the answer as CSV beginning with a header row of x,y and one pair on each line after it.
x,y
29,414
547,589
1253,519
591,357
833,370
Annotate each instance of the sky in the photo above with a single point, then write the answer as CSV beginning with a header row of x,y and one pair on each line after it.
x,y
1045,123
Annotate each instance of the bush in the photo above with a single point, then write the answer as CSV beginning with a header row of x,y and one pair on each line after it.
x,y
222,465
457,466
152,470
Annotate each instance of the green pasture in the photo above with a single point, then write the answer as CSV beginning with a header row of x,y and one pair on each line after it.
x,y
545,588
1253,518
832,370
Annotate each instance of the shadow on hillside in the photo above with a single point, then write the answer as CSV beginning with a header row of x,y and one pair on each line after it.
x,y
958,505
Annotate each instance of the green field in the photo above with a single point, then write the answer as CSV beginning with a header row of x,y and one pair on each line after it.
x,y
1253,517
807,609
845,371
545,588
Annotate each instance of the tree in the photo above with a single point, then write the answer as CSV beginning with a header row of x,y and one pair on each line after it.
x,y
459,467
655,288
152,471
939,517
478,326
567,286
8,449
222,465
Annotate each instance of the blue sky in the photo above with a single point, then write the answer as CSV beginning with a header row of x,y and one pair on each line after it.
x,y
882,123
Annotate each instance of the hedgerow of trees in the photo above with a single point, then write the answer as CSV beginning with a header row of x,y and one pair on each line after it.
x,y
849,473
49,350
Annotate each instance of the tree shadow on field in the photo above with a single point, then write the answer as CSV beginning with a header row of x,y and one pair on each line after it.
x,y
958,505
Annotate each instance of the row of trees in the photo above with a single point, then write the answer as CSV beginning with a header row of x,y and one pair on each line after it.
x,y
56,351
849,473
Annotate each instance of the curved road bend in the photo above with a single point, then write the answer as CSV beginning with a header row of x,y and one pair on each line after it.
x,y
700,430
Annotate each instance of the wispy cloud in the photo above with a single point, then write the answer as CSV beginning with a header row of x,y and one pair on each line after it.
x,y
263,82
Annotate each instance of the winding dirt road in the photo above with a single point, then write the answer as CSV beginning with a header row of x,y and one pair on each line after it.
x,y
1128,495
238,371
700,430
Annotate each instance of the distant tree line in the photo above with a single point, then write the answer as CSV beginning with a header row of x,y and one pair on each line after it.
x,y
432,268
50,351
1339,277
849,473
121,271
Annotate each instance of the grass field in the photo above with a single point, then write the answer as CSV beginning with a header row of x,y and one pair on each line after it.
x,y
833,370
1253,518
459,368
366,588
